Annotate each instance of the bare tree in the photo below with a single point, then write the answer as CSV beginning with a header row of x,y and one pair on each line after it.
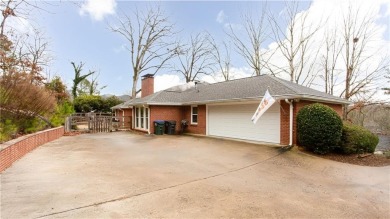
x,y
7,9
249,45
35,48
149,36
387,87
195,58
329,61
16,8
358,33
221,55
295,43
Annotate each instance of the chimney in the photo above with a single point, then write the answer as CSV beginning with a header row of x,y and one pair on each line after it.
x,y
147,86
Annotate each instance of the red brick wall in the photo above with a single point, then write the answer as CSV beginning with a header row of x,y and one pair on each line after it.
x,y
128,117
337,107
15,149
165,113
125,117
200,128
284,122
147,86
285,118
178,113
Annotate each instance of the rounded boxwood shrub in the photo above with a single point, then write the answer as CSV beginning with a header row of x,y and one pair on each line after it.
x,y
356,139
319,128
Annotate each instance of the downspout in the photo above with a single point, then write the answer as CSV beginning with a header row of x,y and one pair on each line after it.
x,y
291,121
148,110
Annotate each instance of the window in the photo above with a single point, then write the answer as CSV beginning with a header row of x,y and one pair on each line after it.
x,y
142,118
194,114
147,118
136,117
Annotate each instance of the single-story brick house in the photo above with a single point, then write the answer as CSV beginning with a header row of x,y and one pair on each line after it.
x,y
225,109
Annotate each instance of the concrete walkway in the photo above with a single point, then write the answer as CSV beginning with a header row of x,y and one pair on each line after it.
x,y
123,175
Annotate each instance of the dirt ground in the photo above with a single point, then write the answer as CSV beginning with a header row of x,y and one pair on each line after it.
x,y
124,175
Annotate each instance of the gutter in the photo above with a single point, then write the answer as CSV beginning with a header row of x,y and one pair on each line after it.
x,y
258,98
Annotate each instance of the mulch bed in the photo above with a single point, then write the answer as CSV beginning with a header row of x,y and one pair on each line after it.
x,y
372,160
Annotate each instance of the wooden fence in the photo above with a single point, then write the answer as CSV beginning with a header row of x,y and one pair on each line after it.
x,y
93,122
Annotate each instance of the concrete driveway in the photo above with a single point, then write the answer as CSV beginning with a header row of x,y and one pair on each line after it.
x,y
123,175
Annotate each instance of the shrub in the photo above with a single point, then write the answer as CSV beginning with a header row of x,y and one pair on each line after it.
x,y
7,130
31,125
319,128
110,102
62,111
88,103
356,139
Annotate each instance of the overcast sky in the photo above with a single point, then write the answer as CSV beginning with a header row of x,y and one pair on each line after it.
x,y
78,31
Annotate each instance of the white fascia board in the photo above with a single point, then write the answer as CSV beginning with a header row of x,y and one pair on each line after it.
x,y
257,98
277,97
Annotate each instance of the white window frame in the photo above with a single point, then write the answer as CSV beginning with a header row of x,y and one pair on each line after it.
x,y
192,114
146,115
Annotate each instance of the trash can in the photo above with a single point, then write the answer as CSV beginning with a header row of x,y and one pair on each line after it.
x,y
159,127
170,127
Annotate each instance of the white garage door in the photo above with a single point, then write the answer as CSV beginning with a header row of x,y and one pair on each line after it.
x,y
234,121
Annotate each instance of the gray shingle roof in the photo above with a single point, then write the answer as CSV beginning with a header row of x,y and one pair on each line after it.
x,y
252,88
120,106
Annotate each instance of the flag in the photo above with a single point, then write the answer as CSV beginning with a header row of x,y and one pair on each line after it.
x,y
265,103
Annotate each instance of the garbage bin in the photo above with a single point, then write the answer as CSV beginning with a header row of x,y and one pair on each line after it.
x,y
170,127
159,127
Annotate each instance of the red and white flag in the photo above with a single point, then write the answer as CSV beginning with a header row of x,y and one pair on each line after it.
x,y
265,103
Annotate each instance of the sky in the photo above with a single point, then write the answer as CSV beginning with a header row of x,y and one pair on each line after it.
x,y
79,32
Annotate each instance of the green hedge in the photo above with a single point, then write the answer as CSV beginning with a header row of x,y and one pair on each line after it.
x,y
88,103
356,139
319,128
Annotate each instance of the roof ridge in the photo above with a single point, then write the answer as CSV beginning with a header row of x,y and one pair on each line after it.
x,y
284,82
237,79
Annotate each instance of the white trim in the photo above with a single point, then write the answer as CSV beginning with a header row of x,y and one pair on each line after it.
x,y
138,118
197,115
277,97
235,103
123,118
132,118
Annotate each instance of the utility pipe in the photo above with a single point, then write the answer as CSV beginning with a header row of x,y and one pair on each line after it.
x,y
291,121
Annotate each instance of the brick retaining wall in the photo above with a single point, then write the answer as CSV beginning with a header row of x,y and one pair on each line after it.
x,y
13,150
